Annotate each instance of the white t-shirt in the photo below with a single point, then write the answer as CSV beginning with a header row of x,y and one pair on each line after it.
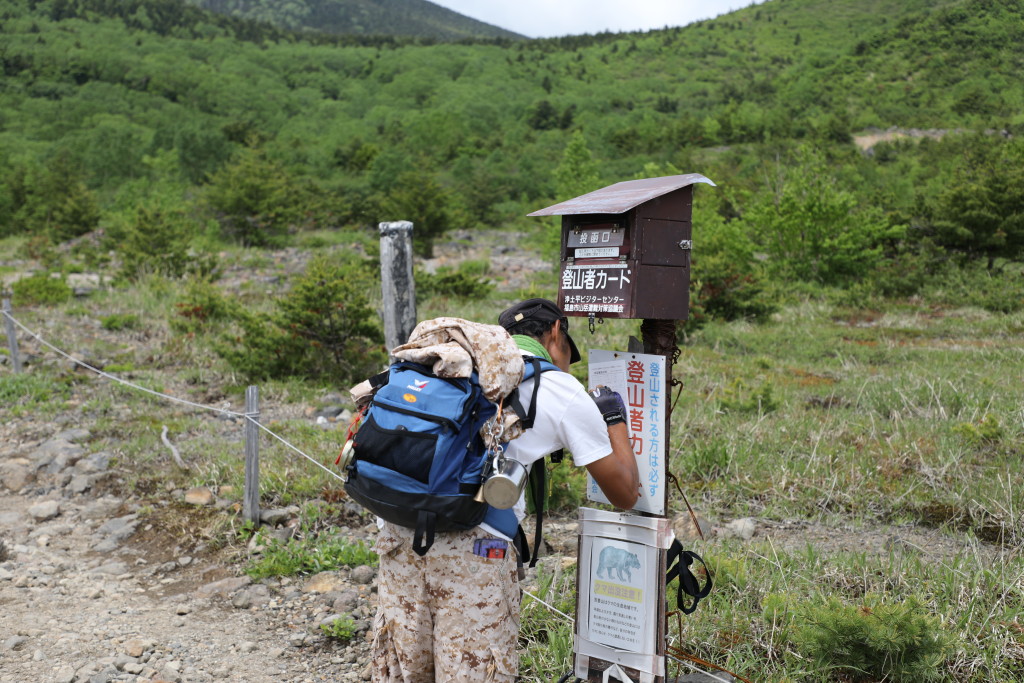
x,y
566,418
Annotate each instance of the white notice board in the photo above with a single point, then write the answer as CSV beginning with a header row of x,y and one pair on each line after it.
x,y
620,605
640,380
620,601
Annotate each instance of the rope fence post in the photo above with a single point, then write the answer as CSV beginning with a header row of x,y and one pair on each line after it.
x,y
397,284
12,339
251,502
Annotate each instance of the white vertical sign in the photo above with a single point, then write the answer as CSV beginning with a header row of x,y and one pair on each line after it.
x,y
640,379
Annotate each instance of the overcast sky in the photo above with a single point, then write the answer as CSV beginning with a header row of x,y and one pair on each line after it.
x,y
547,18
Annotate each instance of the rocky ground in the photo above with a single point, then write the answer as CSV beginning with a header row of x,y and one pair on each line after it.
x,y
92,591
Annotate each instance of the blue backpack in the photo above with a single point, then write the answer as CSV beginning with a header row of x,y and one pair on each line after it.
x,y
418,458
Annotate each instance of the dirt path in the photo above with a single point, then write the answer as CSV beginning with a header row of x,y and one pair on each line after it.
x,y
81,602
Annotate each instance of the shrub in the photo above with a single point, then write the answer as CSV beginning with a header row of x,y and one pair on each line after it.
x,y
255,198
202,304
120,321
51,200
725,292
322,329
155,241
459,284
874,641
433,209
814,230
739,397
997,289
985,431
40,290
343,627
725,282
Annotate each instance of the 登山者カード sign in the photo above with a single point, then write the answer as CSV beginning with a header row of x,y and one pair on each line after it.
x,y
596,288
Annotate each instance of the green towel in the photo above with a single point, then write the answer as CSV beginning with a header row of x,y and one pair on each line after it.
x,y
531,345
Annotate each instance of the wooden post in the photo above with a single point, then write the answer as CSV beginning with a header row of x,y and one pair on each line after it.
x,y
251,502
12,339
397,282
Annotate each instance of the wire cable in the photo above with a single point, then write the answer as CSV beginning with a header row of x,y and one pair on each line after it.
x,y
552,608
158,394
114,377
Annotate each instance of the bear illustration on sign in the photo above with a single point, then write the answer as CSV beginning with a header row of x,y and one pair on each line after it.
x,y
622,561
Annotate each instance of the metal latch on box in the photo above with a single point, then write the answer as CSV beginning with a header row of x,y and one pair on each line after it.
x,y
685,245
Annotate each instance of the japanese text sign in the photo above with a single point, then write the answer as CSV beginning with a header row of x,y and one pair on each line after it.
x,y
640,379
596,288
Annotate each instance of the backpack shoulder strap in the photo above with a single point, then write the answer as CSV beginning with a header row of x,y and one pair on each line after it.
x,y
537,483
534,367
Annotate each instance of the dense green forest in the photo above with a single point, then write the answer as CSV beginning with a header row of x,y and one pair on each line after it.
x,y
365,17
155,116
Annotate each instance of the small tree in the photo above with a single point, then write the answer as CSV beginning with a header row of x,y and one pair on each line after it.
x,y
323,329
980,213
255,198
577,172
52,200
814,230
875,641
418,197
156,241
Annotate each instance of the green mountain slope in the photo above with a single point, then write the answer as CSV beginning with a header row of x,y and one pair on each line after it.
x,y
417,18
109,85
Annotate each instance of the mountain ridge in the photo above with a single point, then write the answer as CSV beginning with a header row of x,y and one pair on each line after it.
x,y
410,18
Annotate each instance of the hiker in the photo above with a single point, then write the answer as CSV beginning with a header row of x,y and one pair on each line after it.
x,y
452,613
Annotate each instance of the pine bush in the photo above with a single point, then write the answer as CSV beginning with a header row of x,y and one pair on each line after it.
x,y
895,642
323,329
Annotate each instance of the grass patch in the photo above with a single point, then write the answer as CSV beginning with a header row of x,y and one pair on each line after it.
x,y
33,393
342,628
308,555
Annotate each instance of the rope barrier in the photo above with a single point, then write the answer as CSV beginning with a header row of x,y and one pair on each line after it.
x,y
551,607
294,448
168,397
113,377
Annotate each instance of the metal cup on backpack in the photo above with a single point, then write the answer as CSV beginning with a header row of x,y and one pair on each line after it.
x,y
506,482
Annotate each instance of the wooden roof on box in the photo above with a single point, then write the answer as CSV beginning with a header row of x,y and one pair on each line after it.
x,y
621,197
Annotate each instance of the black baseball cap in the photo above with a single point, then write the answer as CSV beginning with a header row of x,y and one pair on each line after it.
x,y
542,310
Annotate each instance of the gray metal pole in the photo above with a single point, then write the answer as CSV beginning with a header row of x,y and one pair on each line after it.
x,y
12,339
251,503
397,283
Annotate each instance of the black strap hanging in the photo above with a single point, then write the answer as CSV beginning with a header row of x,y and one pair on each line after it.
x,y
538,491
424,525
678,562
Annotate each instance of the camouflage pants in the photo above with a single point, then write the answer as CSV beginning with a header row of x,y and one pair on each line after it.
x,y
448,616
